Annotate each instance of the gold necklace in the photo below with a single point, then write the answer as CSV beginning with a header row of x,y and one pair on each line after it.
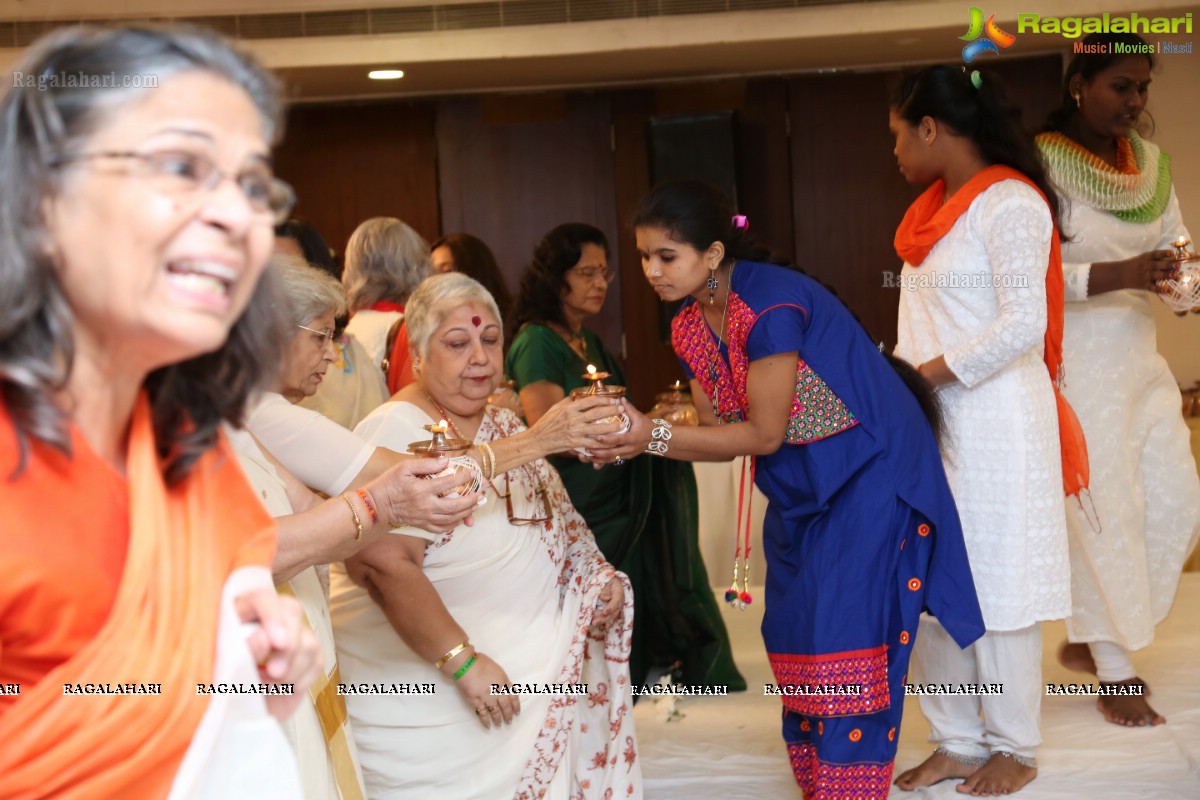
x,y
575,341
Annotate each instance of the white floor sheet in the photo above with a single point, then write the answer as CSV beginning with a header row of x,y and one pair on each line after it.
x,y
729,748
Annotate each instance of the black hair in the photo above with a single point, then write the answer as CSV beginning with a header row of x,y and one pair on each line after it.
x,y
544,280
948,95
312,244
316,252
473,258
1097,53
697,213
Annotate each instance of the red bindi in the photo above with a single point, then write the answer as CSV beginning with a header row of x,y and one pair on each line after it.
x,y
476,320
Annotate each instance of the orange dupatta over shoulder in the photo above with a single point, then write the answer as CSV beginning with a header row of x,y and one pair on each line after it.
x,y
183,543
928,220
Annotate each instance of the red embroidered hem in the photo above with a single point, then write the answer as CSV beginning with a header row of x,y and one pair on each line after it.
x,y
841,684
820,780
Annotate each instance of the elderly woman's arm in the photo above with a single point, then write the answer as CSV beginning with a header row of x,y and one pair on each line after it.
x,y
390,571
321,531
566,425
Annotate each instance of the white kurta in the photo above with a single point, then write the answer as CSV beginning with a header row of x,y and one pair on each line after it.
x,y
371,329
980,299
322,454
353,387
525,595
1144,483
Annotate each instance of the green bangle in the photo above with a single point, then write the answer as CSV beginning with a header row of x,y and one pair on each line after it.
x,y
463,669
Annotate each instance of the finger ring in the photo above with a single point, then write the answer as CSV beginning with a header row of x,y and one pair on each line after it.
x,y
618,461
479,712
489,709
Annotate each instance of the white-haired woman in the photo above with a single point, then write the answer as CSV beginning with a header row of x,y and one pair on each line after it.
x,y
524,598
313,531
385,261
136,223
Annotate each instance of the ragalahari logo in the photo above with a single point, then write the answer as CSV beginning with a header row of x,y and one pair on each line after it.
x,y
993,37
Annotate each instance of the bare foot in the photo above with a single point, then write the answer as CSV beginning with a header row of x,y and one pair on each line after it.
x,y
1129,710
1000,775
1076,657
933,770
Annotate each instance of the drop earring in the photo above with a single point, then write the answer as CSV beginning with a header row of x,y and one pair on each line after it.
x,y
712,284
1078,100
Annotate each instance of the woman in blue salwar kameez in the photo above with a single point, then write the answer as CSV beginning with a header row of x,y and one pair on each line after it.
x,y
861,533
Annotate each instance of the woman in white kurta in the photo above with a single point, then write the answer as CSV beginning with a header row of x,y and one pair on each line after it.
x,y
1121,214
973,314
313,532
428,625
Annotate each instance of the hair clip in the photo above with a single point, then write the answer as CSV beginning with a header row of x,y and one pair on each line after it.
x,y
976,79
741,222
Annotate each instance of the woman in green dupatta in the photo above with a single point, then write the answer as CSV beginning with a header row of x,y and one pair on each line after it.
x,y
643,513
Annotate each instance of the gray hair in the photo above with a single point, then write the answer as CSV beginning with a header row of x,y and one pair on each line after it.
x,y
435,299
385,260
42,117
306,291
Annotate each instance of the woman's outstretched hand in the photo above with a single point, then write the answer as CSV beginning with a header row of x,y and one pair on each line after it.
x,y
574,423
616,448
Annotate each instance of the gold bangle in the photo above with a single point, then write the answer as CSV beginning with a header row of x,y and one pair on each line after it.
x,y
489,465
451,653
357,522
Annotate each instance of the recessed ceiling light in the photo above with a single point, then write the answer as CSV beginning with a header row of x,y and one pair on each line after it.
x,y
385,74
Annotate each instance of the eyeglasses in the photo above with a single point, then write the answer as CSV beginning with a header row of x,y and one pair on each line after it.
x,y
539,492
180,173
326,335
591,273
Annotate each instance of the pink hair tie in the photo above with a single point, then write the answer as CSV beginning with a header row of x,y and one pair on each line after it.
x,y
741,222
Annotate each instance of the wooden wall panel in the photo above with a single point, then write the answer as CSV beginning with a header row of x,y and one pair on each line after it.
x,y
352,162
848,193
512,168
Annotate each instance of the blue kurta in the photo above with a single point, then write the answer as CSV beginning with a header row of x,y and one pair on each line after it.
x,y
861,533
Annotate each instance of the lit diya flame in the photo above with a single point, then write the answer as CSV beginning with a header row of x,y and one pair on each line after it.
x,y
597,379
1182,241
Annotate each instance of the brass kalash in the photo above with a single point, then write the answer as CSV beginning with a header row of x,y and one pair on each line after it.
x,y
600,389
675,406
1182,292
455,450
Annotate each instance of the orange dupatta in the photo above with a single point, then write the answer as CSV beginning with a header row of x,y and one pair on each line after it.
x,y
184,542
928,220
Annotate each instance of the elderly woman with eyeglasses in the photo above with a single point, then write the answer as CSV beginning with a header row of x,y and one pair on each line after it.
x,y
644,514
517,628
136,221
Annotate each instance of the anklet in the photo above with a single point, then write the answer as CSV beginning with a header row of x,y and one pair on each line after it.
x,y
971,761
1024,761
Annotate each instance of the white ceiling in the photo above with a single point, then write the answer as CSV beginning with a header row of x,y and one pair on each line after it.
x,y
846,35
